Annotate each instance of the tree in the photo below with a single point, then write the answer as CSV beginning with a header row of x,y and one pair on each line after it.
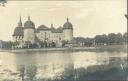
x,y
126,16
28,44
84,41
125,37
2,2
119,38
64,42
104,39
53,44
88,42
111,38
98,39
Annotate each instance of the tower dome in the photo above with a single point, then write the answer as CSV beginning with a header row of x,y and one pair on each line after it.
x,y
29,23
18,31
67,25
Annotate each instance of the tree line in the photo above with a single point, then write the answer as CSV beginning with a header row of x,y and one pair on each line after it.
x,y
110,39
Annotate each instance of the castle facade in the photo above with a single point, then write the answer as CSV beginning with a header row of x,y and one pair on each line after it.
x,y
43,36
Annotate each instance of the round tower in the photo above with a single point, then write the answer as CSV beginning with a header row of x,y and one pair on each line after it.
x,y
29,31
68,31
18,32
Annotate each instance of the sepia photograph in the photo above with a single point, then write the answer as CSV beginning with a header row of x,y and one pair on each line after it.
x,y
63,40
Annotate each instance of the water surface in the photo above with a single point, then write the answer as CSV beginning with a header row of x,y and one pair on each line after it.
x,y
49,64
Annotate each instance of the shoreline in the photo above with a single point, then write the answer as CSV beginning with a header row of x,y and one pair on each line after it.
x,y
50,49
110,48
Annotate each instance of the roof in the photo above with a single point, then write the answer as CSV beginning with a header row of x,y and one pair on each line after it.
x,y
52,29
58,30
19,31
67,25
29,23
42,27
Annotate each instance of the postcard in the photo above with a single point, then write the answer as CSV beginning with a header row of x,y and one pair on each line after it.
x,y
63,40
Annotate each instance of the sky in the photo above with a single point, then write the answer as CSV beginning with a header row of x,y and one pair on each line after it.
x,y
89,17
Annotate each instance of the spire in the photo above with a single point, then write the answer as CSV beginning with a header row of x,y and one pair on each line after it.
x,y
29,18
20,19
51,25
20,22
67,19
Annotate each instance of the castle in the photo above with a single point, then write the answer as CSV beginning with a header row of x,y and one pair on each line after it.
x,y
42,36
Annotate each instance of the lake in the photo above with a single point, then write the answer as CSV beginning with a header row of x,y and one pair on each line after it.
x,y
52,64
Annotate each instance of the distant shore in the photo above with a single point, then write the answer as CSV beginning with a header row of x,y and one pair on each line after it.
x,y
51,49
110,48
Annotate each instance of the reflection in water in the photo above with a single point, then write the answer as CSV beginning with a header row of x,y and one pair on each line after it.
x,y
56,64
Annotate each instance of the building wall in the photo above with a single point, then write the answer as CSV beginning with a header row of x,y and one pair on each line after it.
x,y
57,37
68,34
17,38
49,36
29,35
44,35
